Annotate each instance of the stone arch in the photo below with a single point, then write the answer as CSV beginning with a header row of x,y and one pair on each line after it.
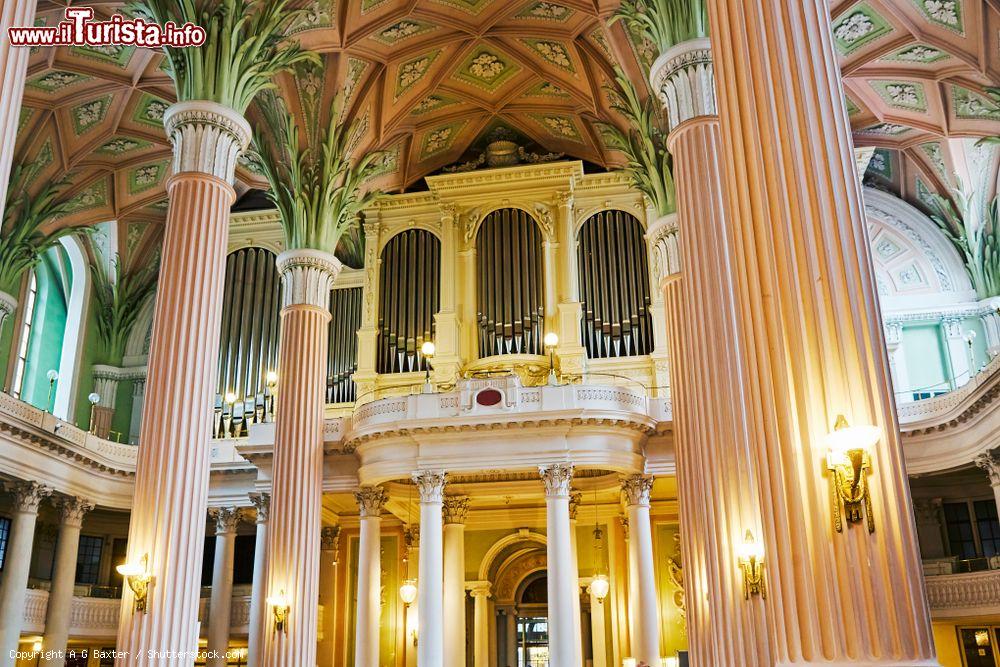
x,y
495,555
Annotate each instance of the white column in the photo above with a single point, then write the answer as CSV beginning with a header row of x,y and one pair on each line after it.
x,y
329,555
71,513
138,396
897,363
480,591
370,501
646,624
430,609
227,519
14,582
990,462
411,537
574,507
561,583
262,502
455,510
958,351
13,69
598,633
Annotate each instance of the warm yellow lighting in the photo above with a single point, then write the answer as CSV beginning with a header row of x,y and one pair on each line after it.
x,y
600,587
551,339
750,555
629,662
427,349
36,647
408,591
849,461
137,576
670,662
982,637
279,607
230,397
271,378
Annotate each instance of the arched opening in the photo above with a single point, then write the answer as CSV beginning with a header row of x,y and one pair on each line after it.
x,y
510,284
532,621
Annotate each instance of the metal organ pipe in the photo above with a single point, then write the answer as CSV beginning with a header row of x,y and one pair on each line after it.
x,y
510,290
614,287
342,357
408,300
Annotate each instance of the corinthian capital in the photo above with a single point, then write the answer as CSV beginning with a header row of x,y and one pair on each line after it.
x,y
307,277
684,80
227,519
990,462
557,478
262,503
207,138
27,495
329,538
637,488
455,509
72,509
430,483
370,500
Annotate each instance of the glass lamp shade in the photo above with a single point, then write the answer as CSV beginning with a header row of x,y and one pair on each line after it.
x,y
94,398
750,550
408,591
600,586
427,349
551,339
845,438
52,375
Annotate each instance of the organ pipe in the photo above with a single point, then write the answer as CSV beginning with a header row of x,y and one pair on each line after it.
x,y
409,297
509,285
342,357
614,286
248,341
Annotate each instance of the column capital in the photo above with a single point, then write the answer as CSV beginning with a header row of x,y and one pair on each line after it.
x,y
927,510
262,503
684,80
478,588
370,500
307,277
227,519
430,483
952,327
27,495
72,510
207,137
455,509
557,478
329,538
990,462
893,333
8,305
575,498
661,234
636,489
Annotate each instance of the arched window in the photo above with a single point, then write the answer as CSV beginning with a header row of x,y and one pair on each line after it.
x,y
342,357
409,298
614,286
248,347
30,296
509,292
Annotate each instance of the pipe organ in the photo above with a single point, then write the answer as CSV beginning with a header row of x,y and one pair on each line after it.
x,y
614,286
409,298
342,356
510,284
248,347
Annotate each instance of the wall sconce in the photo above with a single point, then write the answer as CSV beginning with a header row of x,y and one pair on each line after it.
x,y
279,607
138,577
408,591
428,349
551,340
849,461
750,555
600,587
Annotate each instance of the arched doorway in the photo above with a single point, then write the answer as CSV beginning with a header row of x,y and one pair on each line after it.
x,y
532,621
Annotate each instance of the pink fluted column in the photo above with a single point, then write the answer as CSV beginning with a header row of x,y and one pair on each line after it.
x,y
717,498
808,323
13,69
293,546
171,480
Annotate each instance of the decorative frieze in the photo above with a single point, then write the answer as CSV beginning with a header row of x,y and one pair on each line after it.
x,y
556,478
207,138
227,519
637,488
307,277
27,495
455,509
430,483
684,80
370,499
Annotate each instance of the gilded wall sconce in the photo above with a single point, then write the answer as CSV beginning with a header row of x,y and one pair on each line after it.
x,y
279,608
138,577
848,460
750,555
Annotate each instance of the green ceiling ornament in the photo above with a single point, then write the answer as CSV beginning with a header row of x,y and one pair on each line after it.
x,y
665,23
22,241
650,165
317,188
245,47
119,294
974,233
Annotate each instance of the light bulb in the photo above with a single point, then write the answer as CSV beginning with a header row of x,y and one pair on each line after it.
x,y
130,570
750,550
94,398
427,349
551,339
271,378
36,647
408,591
845,438
278,600
230,397
52,375
600,586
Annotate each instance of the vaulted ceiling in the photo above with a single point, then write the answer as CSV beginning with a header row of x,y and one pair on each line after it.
x,y
429,80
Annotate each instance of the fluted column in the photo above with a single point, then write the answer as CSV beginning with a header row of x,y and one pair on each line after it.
x,y
646,624
455,510
366,632
71,513
430,596
13,69
171,479
713,467
227,520
561,582
329,548
27,497
258,585
809,329
480,592
293,544
106,379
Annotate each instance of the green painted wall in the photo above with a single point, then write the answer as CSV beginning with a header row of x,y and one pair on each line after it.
x,y
925,354
87,361
47,329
